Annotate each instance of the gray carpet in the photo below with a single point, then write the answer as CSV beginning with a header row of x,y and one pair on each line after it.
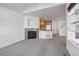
x,y
37,47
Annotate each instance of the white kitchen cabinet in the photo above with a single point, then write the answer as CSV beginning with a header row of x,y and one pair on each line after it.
x,y
45,34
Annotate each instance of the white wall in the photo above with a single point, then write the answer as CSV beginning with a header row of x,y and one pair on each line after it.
x,y
55,26
59,26
62,26
11,27
33,22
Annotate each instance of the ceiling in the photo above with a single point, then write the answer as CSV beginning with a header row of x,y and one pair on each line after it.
x,y
28,7
51,10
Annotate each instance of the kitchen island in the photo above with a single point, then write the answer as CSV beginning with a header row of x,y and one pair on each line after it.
x,y
45,34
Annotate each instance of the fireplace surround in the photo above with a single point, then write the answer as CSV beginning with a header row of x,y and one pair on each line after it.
x,y
31,33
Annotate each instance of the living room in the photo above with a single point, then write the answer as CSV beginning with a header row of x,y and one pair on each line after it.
x,y
36,29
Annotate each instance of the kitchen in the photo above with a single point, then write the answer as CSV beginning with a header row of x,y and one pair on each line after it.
x,y
41,27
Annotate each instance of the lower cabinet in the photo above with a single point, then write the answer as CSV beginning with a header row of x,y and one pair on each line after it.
x,y
45,34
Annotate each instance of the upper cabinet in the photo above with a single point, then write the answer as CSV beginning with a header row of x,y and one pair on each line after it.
x,y
31,22
45,24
